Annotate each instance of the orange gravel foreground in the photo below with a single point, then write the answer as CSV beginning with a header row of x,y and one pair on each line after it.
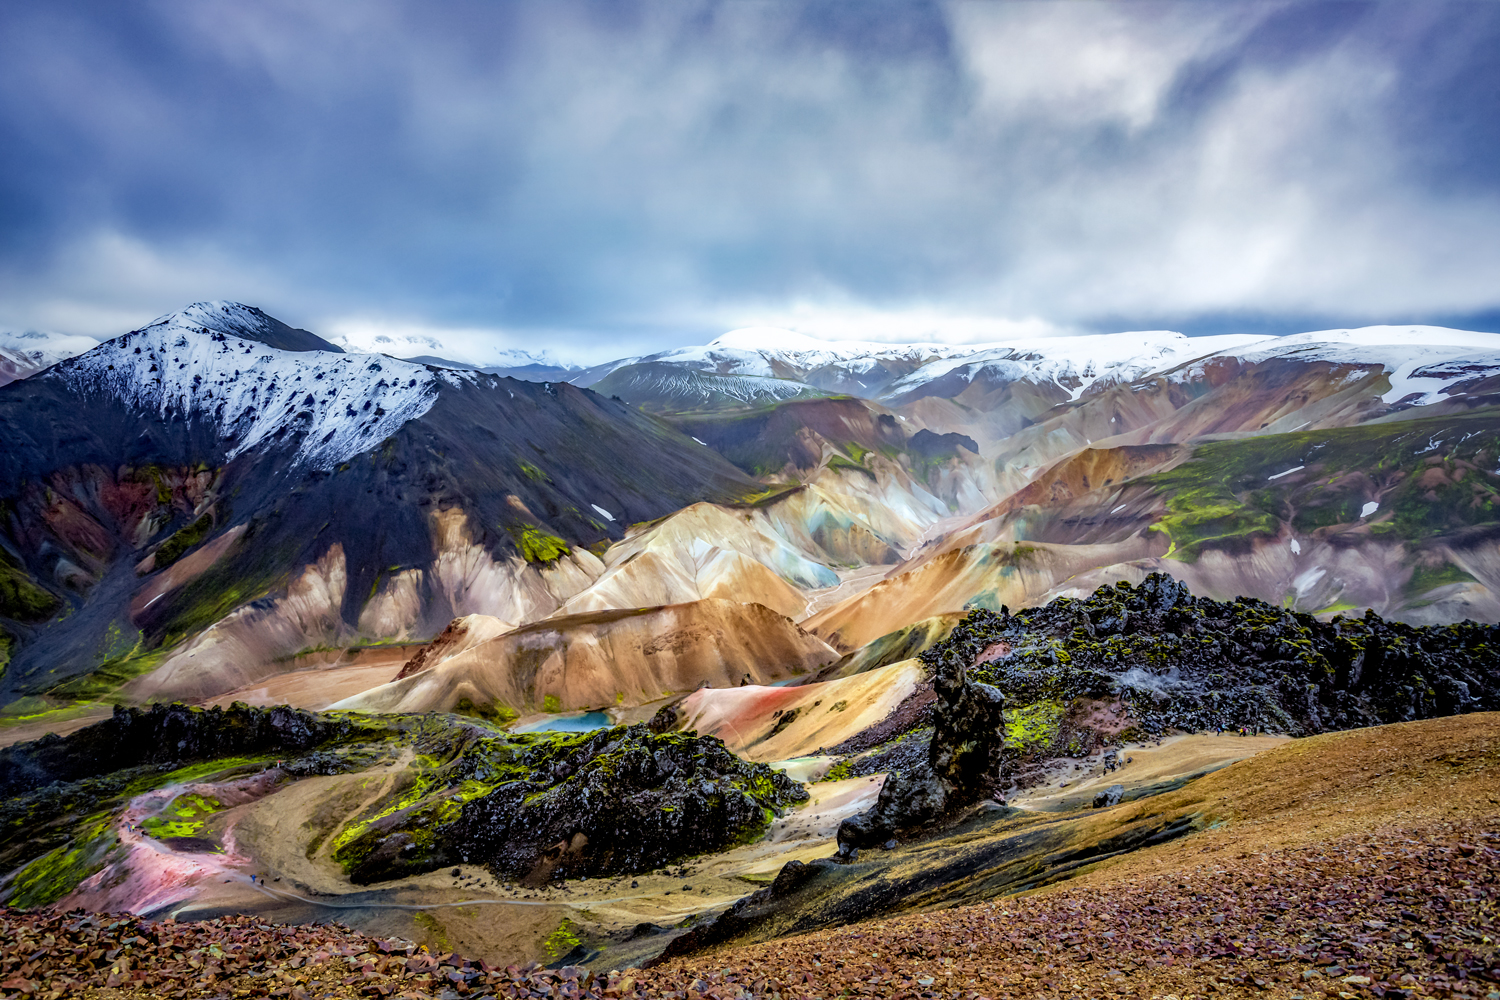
x,y
1350,865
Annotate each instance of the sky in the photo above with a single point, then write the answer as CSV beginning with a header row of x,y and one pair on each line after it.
x,y
604,179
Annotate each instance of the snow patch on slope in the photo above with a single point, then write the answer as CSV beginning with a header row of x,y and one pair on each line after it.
x,y
1076,364
1422,362
193,364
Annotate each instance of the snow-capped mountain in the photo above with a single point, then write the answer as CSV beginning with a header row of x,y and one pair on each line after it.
x,y
776,353
1424,363
663,387
1073,364
211,362
862,367
25,354
462,350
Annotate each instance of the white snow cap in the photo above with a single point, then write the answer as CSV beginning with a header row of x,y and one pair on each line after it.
x,y
1421,361
192,363
1076,363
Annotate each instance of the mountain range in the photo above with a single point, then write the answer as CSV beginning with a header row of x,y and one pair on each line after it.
x,y
770,553
190,507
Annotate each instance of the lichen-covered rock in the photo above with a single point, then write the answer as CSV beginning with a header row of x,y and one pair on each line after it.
x,y
962,764
163,734
1194,663
539,805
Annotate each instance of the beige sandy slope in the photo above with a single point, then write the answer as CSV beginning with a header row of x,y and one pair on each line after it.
x,y
608,658
319,680
755,723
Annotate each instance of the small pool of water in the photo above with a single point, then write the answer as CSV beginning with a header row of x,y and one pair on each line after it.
x,y
784,683
582,723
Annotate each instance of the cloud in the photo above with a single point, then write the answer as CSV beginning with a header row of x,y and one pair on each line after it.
x,y
613,178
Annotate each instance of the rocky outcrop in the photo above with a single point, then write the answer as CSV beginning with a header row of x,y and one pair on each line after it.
x,y
1194,663
162,734
537,806
963,759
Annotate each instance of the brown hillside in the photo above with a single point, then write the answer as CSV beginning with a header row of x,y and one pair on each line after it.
x,y
607,658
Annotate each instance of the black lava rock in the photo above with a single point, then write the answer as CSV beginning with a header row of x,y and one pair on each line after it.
x,y
543,806
163,734
962,765
1194,663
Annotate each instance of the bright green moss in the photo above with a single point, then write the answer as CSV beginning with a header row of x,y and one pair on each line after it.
x,y
533,473
840,463
111,675
536,545
220,769
562,940
551,703
20,598
55,874
1431,476
1034,726
182,817
501,715
1425,578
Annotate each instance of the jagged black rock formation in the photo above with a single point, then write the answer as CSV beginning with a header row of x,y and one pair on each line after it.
x,y
1195,663
962,764
162,734
539,806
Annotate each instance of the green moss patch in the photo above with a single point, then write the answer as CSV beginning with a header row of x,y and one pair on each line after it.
x,y
1033,727
840,463
536,545
178,543
47,879
561,941
619,800
20,597
1426,578
182,817
1431,477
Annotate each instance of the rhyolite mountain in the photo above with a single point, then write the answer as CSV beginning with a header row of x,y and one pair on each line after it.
x,y
169,477
210,496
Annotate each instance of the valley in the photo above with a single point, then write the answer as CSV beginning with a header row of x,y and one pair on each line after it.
x,y
601,667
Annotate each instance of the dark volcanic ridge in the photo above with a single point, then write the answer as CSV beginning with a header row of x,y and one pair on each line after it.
x,y
1083,676
1193,663
531,806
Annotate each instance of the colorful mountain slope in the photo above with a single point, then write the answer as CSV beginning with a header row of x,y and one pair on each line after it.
x,y
365,496
604,659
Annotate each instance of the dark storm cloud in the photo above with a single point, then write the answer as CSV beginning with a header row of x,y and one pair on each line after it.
x,y
647,172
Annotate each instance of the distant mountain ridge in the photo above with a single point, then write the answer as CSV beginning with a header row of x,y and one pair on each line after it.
x,y
189,507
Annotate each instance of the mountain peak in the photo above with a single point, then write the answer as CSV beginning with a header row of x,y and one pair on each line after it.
x,y
236,319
